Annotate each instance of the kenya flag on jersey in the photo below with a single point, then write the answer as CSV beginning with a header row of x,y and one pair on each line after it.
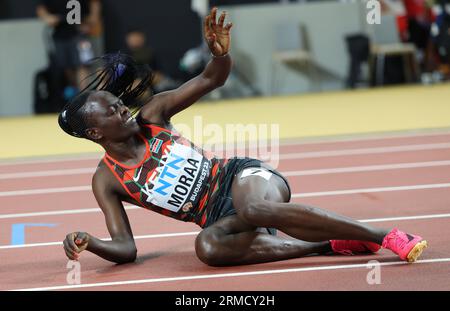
x,y
156,145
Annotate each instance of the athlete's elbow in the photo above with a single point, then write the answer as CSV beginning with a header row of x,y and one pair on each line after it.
x,y
216,83
128,259
212,81
221,82
127,256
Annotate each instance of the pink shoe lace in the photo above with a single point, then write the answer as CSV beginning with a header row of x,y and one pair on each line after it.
x,y
395,239
407,246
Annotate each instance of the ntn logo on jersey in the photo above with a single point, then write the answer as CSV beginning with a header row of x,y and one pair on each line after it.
x,y
171,183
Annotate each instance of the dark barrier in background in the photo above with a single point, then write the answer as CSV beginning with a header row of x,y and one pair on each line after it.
x,y
171,26
12,9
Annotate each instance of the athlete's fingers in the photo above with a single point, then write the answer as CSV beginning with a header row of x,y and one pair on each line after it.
x,y
69,253
81,238
222,18
214,17
68,248
207,24
228,26
70,238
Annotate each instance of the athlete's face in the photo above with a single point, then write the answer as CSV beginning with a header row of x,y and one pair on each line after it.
x,y
108,118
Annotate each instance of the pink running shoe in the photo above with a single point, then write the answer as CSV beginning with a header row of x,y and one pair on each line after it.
x,y
352,247
408,247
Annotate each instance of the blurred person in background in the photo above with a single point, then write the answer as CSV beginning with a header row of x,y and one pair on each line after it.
x,y
440,31
414,22
420,16
71,47
429,29
143,54
91,42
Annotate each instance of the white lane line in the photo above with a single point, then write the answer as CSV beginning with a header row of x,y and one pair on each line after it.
x,y
133,207
286,156
351,169
368,137
366,168
51,159
231,275
369,190
77,171
44,191
420,217
138,237
64,212
165,235
288,142
376,150
295,195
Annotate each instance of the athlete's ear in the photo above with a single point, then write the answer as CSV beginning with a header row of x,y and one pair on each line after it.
x,y
93,133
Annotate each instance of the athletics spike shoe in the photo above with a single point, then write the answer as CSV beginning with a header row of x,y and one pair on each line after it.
x,y
408,247
352,247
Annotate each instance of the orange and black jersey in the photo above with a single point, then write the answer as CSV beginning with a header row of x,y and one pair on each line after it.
x,y
175,178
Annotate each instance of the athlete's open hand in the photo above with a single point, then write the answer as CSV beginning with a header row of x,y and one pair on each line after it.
x,y
217,35
75,243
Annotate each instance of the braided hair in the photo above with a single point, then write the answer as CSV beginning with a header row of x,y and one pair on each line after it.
x,y
119,75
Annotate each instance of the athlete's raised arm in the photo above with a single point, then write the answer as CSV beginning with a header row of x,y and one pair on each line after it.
x,y
121,249
164,105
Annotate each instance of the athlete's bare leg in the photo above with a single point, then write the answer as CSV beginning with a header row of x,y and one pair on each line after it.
x,y
250,199
231,241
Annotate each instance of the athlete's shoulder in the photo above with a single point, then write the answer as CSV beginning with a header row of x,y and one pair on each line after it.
x,y
151,129
105,182
100,172
103,178
153,110
106,188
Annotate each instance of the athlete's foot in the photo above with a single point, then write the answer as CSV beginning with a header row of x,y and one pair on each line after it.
x,y
408,247
352,247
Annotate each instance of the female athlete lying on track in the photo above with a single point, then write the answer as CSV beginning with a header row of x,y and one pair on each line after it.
x,y
239,202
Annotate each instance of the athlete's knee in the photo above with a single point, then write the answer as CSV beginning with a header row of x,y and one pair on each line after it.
x,y
256,211
208,248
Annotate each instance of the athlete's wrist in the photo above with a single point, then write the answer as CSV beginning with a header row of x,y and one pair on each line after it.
x,y
219,56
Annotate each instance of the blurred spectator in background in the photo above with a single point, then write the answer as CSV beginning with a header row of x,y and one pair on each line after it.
x,y
428,28
420,16
138,48
71,45
441,38
414,21
91,40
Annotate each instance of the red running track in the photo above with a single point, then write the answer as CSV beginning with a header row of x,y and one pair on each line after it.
x,y
419,164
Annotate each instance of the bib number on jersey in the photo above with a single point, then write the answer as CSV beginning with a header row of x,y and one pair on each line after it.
x,y
256,171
